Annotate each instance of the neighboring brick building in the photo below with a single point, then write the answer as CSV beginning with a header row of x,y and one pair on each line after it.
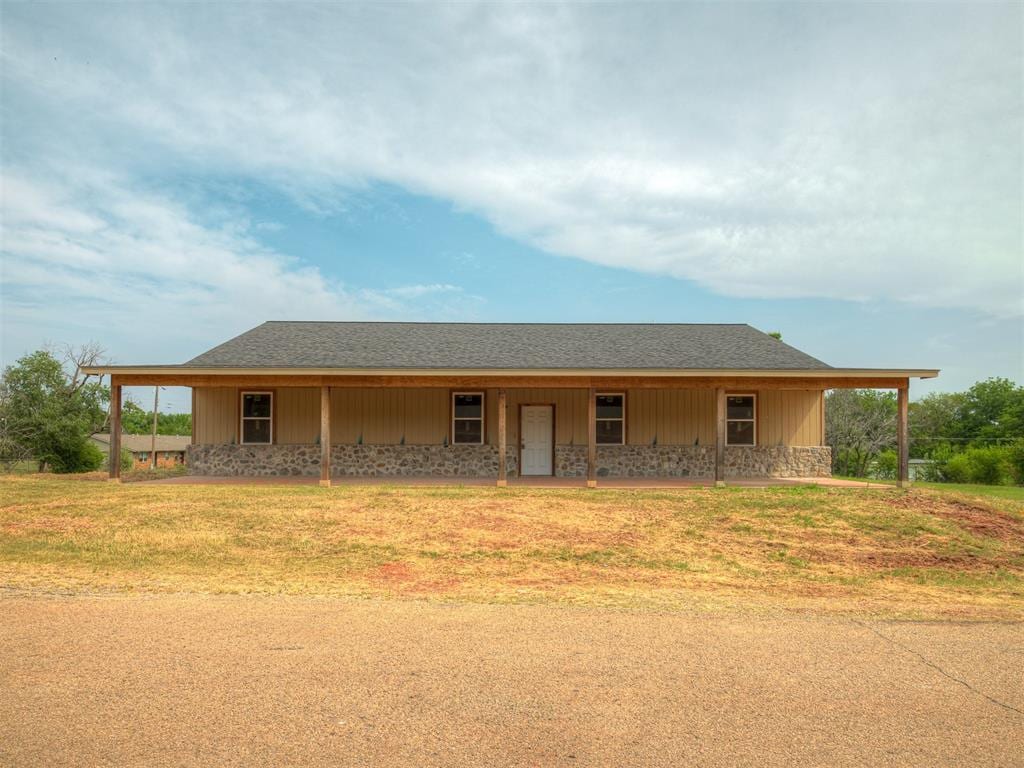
x,y
170,449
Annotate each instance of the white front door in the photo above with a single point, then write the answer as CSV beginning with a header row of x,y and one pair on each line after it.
x,y
536,439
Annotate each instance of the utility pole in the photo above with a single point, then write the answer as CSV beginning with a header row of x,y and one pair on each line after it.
x,y
156,406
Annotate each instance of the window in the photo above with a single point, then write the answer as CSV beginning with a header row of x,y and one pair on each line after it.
x,y
611,419
468,417
257,418
741,420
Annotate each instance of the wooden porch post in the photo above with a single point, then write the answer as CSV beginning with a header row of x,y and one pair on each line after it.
x,y
591,438
902,443
325,437
115,431
502,438
720,422
152,442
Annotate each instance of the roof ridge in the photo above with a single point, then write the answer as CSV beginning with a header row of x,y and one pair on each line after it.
x,y
474,322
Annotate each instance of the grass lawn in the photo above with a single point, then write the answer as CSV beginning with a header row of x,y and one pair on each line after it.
x,y
922,553
139,474
1013,492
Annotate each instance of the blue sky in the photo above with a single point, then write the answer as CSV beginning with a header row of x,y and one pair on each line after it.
x,y
846,174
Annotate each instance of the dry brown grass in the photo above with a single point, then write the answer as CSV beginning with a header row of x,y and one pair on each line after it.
x,y
920,553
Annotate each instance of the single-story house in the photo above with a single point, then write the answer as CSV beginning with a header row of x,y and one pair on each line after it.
x,y
594,400
170,449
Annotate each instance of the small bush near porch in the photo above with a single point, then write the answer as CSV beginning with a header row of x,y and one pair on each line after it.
x,y
843,550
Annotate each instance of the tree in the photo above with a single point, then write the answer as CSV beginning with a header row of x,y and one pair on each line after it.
x,y
137,421
972,436
859,424
48,411
134,420
933,421
992,409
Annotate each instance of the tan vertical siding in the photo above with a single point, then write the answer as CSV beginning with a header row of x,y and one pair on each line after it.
x,y
426,416
387,416
421,416
297,416
671,416
213,417
789,417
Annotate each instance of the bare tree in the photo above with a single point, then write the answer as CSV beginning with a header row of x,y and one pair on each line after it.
x,y
76,358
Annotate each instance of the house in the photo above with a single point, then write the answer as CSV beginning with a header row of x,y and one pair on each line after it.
x,y
170,449
497,400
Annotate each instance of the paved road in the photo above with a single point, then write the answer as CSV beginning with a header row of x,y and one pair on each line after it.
x,y
155,681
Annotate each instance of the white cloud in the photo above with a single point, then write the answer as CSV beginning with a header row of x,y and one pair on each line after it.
x,y
416,291
106,260
854,152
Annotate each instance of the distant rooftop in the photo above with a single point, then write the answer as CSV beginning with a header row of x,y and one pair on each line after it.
x,y
468,346
141,443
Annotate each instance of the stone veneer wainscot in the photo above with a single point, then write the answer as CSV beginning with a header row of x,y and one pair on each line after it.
x,y
682,461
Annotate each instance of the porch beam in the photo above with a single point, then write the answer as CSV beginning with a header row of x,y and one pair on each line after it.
x,y
484,382
902,435
592,438
325,437
720,431
115,431
502,438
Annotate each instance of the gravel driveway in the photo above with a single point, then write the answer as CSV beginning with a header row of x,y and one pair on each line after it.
x,y
192,680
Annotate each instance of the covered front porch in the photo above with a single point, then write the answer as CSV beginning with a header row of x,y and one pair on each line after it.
x,y
614,431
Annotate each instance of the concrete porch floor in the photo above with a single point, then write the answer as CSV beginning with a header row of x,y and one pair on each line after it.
x,y
522,482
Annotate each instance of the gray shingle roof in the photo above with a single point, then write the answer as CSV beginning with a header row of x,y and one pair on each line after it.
x,y
290,344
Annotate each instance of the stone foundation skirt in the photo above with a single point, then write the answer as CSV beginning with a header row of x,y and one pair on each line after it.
x,y
684,461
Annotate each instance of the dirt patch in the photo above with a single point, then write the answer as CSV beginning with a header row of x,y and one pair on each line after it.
x,y
394,573
528,527
977,519
922,558
399,577
906,556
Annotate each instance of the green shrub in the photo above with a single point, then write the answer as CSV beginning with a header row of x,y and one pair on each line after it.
x,y
931,472
886,465
127,460
1015,460
989,466
956,469
934,472
75,456
986,466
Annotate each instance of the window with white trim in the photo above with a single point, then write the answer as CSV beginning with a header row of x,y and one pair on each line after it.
x,y
741,420
257,418
468,418
611,418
